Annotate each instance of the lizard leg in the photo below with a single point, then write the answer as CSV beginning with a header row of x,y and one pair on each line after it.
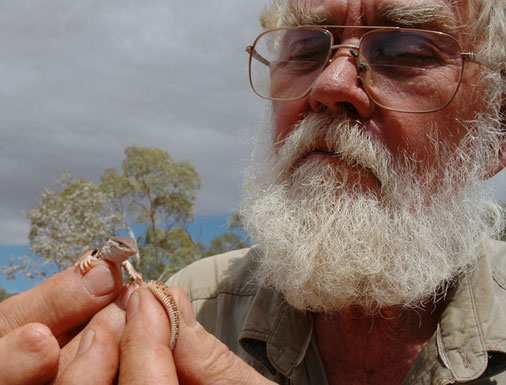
x,y
162,294
87,261
135,276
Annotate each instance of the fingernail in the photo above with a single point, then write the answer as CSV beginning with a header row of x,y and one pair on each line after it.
x,y
133,304
99,281
86,341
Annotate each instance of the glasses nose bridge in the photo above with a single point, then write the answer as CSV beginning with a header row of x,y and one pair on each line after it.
x,y
352,49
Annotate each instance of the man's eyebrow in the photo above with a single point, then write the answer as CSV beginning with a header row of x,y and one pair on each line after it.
x,y
434,16
303,15
437,16
291,15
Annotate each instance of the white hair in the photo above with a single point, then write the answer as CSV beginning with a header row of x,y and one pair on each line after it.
x,y
489,27
325,244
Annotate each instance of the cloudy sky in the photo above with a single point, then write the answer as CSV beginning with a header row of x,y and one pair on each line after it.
x,y
82,80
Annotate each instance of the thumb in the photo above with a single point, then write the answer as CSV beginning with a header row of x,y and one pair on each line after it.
x,y
202,359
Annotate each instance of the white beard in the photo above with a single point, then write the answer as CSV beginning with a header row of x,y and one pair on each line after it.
x,y
326,245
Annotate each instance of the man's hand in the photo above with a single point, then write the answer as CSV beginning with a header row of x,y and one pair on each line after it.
x,y
199,357
41,340
35,323
145,355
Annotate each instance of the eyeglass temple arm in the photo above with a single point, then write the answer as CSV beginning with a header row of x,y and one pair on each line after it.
x,y
470,56
256,55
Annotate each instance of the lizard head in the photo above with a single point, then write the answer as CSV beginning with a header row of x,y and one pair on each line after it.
x,y
118,249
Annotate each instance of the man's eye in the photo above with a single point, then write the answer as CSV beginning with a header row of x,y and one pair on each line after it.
x,y
304,54
304,49
419,51
406,55
296,65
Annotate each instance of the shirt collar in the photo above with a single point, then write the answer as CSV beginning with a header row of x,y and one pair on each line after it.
x,y
473,323
284,331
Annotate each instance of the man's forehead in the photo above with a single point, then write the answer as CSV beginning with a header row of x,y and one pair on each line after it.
x,y
448,13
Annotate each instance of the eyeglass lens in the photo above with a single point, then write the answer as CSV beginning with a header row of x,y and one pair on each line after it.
x,y
406,70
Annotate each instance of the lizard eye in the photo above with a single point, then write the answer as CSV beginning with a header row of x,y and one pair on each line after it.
x,y
120,243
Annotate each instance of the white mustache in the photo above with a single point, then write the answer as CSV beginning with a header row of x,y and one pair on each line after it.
x,y
337,135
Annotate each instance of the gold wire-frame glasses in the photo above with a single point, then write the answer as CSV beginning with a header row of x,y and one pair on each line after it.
x,y
401,69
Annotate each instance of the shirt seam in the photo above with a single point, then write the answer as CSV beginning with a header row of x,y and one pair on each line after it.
x,y
478,327
255,334
279,348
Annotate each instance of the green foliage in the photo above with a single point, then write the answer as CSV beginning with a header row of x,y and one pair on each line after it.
x,y
67,222
173,250
153,187
226,242
4,294
230,240
159,193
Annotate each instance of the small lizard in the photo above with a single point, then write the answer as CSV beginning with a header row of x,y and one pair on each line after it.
x,y
117,250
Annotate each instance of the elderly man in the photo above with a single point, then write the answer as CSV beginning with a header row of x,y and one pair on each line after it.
x,y
374,261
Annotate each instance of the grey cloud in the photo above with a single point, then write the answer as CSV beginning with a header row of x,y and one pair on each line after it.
x,y
80,81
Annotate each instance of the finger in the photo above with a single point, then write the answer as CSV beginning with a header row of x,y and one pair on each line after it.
x,y
64,301
202,359
28,355
96,360
120,301
145,354
102,336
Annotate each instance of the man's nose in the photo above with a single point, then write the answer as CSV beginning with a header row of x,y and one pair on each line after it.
x,y
338,87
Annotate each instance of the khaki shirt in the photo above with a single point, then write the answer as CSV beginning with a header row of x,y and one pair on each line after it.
x,y
468,346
